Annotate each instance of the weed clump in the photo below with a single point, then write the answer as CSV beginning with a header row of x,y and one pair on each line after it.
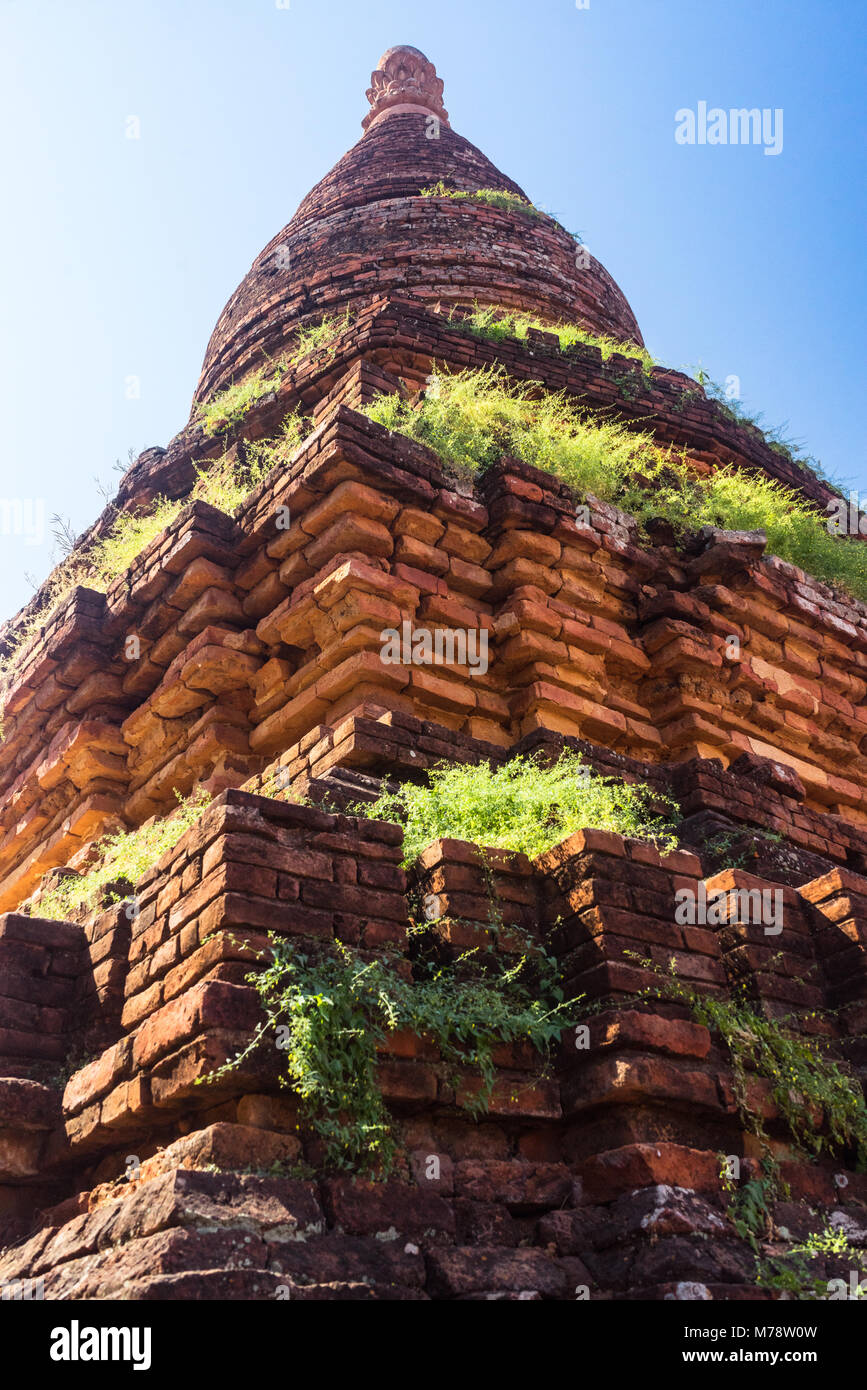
x,y
472,418
224,485
228,408
122,858
521,806
495,197
329,1015
804,1080
499,324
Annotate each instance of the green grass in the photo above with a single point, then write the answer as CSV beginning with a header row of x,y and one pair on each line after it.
x,y
313,337
495,197
736,501
127,538
522,806
773,436
224,485
228,408
124,856
95,569
472,418
498,324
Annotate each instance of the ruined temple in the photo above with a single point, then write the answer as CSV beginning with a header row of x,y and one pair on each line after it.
x,y
239,657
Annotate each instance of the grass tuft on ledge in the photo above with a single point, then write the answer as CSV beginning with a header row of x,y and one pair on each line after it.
x,y
229,408
121,860
499,324
472,418
499,198
224,485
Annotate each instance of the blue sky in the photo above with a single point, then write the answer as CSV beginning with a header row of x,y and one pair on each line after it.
x,y
117,254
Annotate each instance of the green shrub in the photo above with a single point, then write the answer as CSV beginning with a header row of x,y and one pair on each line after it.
x,y
521,806
122,859
336,1007
738,501
129,535
224,484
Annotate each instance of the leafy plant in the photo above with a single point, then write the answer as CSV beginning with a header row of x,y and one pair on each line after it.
x,y
521,806
121,859
721,845
804,1082
336,1008
75,1059
791,1274
750,1203
803,1079
625,384
226,483
685,398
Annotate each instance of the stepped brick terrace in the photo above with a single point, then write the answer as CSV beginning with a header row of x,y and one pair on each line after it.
x,y
239,658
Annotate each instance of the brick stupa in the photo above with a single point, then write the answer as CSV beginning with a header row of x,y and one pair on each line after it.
x,y
257,663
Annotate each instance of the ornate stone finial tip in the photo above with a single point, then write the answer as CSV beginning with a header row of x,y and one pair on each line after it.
x,y
405,80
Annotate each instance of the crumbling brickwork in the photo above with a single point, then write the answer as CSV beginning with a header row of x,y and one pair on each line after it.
x,y
242,655
602,1174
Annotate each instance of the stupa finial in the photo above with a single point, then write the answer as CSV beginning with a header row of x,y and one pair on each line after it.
x,y
405,80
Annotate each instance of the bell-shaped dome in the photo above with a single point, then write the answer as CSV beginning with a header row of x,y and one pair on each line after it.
x,y
365,231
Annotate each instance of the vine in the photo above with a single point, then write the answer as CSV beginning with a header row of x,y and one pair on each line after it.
x,y
804,1083
803,1079
328,1013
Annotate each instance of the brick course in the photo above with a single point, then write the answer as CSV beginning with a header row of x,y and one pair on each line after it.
x,y
258,677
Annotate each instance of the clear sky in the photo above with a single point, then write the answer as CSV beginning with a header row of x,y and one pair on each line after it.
x,y
117,254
